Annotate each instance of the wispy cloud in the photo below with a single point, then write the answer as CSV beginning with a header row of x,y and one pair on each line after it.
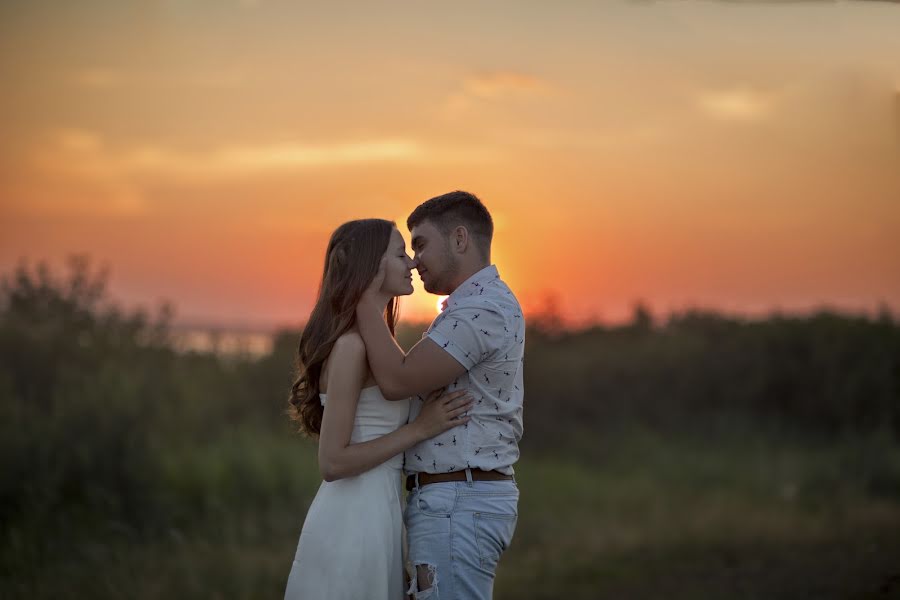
x,y
86,152
110,179
736,104
495,86
306,155
504,83
101,178
119,172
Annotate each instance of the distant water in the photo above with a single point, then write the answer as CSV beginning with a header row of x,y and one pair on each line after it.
x,y
222,341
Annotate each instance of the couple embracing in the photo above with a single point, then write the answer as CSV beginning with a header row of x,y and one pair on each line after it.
x,y
442,420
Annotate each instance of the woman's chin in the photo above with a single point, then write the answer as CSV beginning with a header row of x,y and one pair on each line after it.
x,y
402,290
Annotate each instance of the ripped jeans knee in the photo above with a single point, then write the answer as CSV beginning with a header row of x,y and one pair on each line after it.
x,y
424,585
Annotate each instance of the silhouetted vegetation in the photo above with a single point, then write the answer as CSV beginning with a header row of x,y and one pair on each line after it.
x,y
824,375
133,470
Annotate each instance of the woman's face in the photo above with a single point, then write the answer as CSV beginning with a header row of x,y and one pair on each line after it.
x,y
397,268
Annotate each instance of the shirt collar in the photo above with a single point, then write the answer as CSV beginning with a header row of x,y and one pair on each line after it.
x,y
472,285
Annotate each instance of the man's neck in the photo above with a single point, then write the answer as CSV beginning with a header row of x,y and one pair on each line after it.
x,y
467,273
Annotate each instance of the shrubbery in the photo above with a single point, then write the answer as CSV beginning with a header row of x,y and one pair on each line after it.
x,y
824,375
105,430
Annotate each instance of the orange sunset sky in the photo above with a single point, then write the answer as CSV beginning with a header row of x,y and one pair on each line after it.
x,y
743,156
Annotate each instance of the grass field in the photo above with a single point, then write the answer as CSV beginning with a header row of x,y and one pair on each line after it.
x,y
636,516
742,519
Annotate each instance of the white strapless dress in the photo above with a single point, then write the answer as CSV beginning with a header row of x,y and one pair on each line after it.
x,y
351,545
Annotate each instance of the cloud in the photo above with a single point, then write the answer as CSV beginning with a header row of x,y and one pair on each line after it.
x,y
109,179
847,119
78,140
307,155
81,172
495,86
86,153
504,83
736,104
116,176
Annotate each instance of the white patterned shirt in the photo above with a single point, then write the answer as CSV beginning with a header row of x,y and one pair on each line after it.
x,y
482,327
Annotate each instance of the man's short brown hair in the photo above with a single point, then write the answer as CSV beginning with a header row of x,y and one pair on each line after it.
x,y
453,209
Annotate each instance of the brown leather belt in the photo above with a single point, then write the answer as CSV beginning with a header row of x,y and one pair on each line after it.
x,y
477,475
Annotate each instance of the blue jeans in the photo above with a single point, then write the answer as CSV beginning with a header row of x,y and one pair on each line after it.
x,y
457,532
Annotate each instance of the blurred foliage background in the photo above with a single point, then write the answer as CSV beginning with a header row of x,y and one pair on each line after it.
x,y
700,456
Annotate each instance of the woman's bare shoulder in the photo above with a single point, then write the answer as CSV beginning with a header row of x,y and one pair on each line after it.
x,y
348,352
350,344
349,355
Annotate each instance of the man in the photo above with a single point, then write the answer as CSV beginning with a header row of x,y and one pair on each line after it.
x,y
462,508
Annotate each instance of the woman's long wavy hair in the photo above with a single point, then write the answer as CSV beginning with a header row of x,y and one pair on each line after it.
x,y
351,263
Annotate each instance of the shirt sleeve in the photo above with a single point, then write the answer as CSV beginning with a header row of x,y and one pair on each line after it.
x,y
470,334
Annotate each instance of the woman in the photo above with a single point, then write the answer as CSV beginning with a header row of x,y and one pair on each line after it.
x,y
351,543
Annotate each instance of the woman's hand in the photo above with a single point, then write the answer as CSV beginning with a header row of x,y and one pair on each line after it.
x,y
442,411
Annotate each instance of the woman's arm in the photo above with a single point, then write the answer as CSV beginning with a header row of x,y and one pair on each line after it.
x,y
338,458
427,366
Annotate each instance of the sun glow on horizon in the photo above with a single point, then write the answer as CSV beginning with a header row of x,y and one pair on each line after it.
x,y
748,182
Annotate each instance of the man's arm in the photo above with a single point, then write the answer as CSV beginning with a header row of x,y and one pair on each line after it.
x,y
427,366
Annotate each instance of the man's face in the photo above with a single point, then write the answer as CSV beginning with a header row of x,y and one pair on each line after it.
x,y
434,262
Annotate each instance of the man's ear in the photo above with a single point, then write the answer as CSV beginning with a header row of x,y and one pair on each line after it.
x,y
460,239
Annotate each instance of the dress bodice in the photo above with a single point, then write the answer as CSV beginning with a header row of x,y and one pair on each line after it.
x,y
376,416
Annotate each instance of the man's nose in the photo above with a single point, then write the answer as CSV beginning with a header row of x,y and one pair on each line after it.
x,y
413,263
